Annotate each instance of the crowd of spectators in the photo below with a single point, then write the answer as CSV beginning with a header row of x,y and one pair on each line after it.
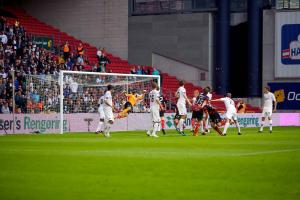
x,y
19,52
36,73
144,70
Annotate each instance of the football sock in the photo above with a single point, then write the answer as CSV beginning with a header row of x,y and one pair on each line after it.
x,y
99,127
202,127
193,124
218,130
270,123
181,124
155,128
197,126
163,123
262,126
238,126
226,127
107,127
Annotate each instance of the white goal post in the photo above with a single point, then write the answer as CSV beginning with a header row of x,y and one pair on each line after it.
x,y
82,87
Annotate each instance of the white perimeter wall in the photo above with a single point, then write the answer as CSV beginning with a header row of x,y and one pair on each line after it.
x,y
49,123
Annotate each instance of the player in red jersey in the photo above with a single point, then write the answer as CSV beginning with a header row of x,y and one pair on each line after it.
x,y
162,109
200,102
214,118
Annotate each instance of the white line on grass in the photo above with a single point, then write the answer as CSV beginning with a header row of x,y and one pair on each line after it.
x,y
265,152
148,153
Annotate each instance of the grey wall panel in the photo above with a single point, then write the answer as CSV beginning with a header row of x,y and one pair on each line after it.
x,y
99,22
183,37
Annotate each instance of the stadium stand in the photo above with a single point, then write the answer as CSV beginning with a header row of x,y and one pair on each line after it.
x,y
117,65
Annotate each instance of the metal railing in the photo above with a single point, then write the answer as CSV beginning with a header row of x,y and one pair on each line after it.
x,y
156,7
287,4
153,7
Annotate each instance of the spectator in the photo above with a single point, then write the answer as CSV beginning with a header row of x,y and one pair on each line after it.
x,y
29,106
99,80
103,60
73,86
241,106
66,50
69,64
139,70
99,54
18,110
2,23
155,71
39,107
17,24
80,49
132,71
80,60
2,86
5,109
103,68
1,105
3,38
146,70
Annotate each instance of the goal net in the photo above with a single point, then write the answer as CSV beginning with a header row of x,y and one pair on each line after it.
x,y
82,91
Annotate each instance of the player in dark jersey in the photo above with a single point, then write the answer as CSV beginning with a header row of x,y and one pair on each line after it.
x,y
214,118
176,118
162,113
200,102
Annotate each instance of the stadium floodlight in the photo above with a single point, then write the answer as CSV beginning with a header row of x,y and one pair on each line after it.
x,y
79,91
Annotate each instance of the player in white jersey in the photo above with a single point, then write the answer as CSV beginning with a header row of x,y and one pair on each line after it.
x,y
154,110
101,115
194,99
108,111
231,113
181,106
268,98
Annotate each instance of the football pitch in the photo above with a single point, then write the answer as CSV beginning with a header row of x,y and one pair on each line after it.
x,y
132,166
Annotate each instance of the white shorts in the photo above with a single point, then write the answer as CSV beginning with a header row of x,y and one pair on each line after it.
x,y
231,115
155,115
181,109
108,114
101,113
267,112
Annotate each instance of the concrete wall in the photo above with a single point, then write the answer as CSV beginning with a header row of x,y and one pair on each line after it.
x,y
269,50
99,22
181,70
184,37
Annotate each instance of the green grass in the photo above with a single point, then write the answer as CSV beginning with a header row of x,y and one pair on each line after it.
x,y
131,166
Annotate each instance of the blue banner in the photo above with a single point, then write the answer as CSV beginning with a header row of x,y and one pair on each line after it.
x,y
287,95
290,44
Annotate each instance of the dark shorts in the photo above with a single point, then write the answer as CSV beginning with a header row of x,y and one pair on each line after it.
x,y
197,115
177,116
128,105
161,113
215,118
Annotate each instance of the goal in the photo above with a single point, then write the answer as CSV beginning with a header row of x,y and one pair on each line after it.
x,y
80,91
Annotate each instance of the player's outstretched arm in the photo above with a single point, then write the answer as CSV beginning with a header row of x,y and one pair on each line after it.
x,y
187,99
214,100
275,106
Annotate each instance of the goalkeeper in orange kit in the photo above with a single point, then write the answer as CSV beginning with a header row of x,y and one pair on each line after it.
x,y
132,99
